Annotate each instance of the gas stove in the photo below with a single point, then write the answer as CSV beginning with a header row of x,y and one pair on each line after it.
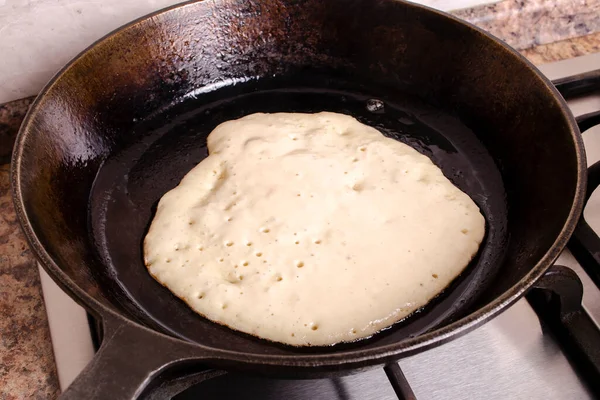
x,y
546,346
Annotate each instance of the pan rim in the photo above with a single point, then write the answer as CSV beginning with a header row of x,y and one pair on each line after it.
x,y
346,358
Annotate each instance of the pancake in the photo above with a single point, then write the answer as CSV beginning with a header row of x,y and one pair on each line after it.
x,y
310,230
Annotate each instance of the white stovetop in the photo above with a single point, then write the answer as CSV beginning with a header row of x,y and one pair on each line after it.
x,y
38,37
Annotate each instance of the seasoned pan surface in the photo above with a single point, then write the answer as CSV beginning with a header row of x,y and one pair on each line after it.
x,y
163,148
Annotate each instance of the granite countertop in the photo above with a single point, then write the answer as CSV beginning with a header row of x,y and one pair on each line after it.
x,y
27,368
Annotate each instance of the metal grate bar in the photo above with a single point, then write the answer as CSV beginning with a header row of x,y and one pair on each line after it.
x,y
399,382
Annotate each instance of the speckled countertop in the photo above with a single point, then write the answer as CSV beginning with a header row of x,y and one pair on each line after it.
x,y
27,368
564,29
525,24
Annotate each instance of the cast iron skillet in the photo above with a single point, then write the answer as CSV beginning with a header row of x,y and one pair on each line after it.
x,y
123,122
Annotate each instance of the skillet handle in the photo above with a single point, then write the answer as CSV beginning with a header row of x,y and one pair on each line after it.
x,y
130,358
557,299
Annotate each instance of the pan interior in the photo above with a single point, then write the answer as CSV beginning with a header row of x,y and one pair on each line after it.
x,y
162,148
